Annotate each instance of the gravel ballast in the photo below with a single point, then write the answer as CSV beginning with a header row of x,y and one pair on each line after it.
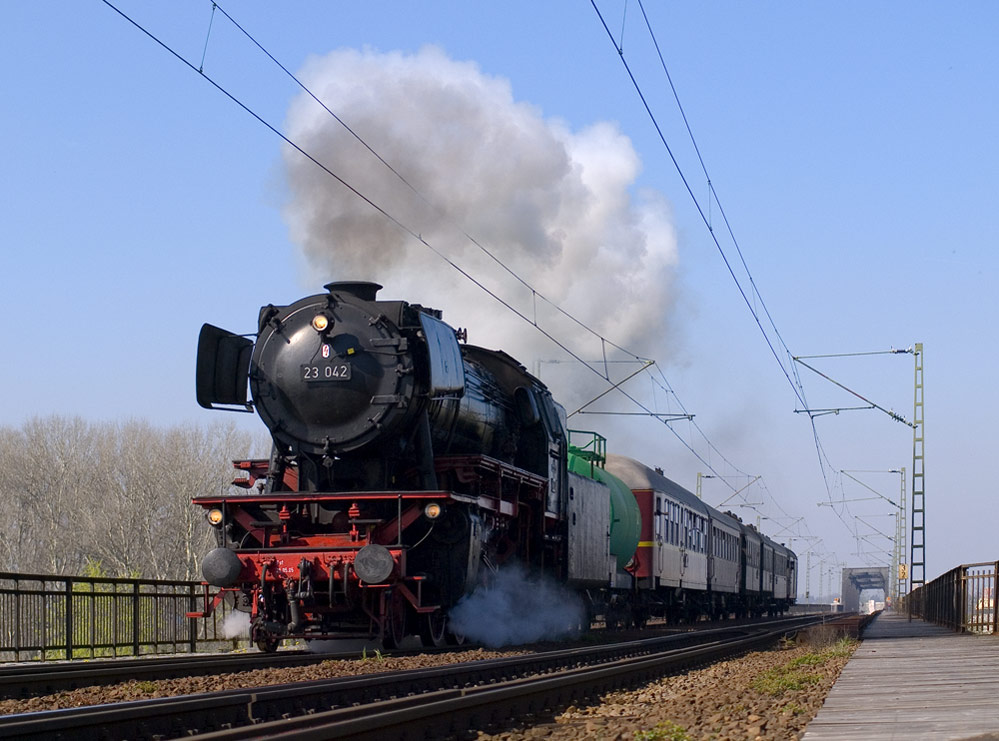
x,y
752,697
762,695
372,663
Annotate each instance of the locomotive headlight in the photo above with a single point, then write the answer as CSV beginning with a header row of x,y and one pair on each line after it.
x,y
215,516
320,322
432,511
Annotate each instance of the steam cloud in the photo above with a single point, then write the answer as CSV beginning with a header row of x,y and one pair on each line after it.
x,y
515,609
236,625
555,205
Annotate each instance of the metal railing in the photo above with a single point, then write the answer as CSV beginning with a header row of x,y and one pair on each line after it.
x,y
963,599
69,617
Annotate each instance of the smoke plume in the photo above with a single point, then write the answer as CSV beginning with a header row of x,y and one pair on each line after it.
x,y
555,205
515,609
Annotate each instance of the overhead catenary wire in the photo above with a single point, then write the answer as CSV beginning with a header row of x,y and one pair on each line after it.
x,y
403,227
651,365
894,415
439,212
697,204
381,210
535,294
790,370
797,384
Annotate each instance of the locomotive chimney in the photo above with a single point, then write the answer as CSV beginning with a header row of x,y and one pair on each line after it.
x,y
363,290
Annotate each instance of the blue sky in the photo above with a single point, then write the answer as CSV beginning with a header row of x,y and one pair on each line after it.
x,y
852,147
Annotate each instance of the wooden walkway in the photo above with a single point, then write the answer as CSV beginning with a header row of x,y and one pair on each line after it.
x,y
913,680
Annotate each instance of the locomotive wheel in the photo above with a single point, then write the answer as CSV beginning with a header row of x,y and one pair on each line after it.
x,y
394,625
268,644
433,629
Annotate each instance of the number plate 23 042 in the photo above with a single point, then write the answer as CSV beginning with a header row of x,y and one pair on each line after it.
x,y
326,372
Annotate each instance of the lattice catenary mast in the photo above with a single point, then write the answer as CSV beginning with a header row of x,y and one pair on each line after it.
x,y
917,553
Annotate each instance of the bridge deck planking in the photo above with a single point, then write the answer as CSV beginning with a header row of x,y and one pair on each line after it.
x,y
912,680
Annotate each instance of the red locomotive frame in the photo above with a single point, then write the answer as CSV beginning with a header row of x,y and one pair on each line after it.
x,y
276,557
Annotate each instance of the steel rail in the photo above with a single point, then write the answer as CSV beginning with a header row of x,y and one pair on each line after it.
x,y
19,681
450,712
362,698
29,679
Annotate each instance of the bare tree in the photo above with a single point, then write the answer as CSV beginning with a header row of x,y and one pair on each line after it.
x,y
50,461
115,493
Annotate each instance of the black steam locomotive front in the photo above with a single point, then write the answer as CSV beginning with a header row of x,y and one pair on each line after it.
x,y
401,462
360,392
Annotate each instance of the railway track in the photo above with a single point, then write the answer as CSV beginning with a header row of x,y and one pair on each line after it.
x,y
412,704
18,681
30,679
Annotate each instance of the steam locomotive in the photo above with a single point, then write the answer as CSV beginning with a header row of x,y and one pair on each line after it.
x,y
408,466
